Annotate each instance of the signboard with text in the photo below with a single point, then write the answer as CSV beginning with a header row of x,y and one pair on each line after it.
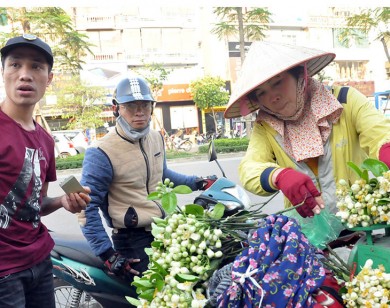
x,y
174,92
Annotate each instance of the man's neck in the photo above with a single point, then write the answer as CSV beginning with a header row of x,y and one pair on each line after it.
x,y
23,115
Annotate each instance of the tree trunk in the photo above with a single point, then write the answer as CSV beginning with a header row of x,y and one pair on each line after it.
x,y
383,41
241,33
248,122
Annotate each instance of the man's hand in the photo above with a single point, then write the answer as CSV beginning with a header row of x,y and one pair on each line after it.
x,y
76,202
299,189
121,266
205,183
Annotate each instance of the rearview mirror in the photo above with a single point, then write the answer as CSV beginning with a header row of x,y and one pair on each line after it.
x,y
212,154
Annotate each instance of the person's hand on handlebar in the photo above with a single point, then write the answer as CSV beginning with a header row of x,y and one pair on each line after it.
x,y
299,189
121,266
205,183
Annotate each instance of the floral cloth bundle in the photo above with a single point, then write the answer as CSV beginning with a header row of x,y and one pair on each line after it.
x,y
278,269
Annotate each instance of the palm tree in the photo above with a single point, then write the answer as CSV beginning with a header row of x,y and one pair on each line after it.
x,y
50,23
250,24
376,19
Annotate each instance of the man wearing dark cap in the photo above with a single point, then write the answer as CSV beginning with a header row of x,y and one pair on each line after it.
x,y
27,165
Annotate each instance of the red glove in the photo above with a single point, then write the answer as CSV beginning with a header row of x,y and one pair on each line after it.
x,y
120,265
384,154
298,188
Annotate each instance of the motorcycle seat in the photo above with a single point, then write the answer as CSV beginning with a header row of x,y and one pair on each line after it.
x,y
75,247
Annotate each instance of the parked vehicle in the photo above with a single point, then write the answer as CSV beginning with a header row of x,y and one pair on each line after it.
x,y
78,138
177,143
81,280
63,146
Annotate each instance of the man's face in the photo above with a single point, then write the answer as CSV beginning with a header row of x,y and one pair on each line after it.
x,y
136,113
26,75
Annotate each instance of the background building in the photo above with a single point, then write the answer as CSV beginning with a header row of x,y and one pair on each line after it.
x,y
126,38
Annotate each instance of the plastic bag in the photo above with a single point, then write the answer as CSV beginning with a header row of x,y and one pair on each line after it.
x,y
319,229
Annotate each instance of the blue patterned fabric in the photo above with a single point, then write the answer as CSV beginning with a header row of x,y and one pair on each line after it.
x,y
278,269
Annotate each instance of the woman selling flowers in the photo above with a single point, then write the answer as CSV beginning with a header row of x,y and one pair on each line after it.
x,y
304,133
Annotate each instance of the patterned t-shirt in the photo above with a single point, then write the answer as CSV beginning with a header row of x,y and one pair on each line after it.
x,y
26,162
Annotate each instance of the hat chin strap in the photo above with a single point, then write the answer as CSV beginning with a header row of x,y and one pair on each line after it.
x,y
305,79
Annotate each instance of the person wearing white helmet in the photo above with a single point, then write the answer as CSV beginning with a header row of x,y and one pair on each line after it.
x,y
304,134
122,168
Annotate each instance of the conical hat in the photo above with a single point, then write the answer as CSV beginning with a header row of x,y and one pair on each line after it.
x,y
266,60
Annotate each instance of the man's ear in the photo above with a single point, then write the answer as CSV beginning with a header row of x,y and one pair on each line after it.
x,y
50,79
115,109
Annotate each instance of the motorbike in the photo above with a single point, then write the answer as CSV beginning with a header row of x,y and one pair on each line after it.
x,y
182,144
80,278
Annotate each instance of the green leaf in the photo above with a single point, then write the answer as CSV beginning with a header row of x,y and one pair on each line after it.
x,y
142,283
154,196
384,201
375,166
159,268
218,211
157,244
373,182
186,277
182,189
156,230
194,209
365,175
215,263
169,202
355,168
160,222
148,295
158,280
133,301
148,251
160,284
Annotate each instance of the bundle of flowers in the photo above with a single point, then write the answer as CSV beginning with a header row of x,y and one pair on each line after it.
x,y
369,288
367,201
189,245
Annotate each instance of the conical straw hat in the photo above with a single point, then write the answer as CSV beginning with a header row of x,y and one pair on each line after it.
x,y
266,60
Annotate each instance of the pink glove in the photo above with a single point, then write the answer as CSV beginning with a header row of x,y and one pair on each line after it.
x,y
384,154
298,188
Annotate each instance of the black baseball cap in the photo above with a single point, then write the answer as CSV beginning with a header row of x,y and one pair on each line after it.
x,y
31,41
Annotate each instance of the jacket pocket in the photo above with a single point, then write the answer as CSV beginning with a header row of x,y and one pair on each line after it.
x,y
131,218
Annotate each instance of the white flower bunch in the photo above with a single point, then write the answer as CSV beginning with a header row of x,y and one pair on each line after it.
x,y
187,247
365,202
370,288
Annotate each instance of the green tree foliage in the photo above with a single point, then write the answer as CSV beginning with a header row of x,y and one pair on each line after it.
x,y
209,92
79,102
3,17
247,23
52,24
155,74
376,19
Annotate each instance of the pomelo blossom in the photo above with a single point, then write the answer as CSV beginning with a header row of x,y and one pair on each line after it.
x,y
367,201
369,288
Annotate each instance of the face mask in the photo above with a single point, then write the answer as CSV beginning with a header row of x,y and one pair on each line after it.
x,y
130,132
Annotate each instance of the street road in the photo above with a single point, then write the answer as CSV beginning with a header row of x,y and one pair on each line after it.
x,y
65,222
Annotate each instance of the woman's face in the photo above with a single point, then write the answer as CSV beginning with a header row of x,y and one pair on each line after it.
x,y
279,94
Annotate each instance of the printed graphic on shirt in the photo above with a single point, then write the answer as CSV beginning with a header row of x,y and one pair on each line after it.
x,y
16,204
